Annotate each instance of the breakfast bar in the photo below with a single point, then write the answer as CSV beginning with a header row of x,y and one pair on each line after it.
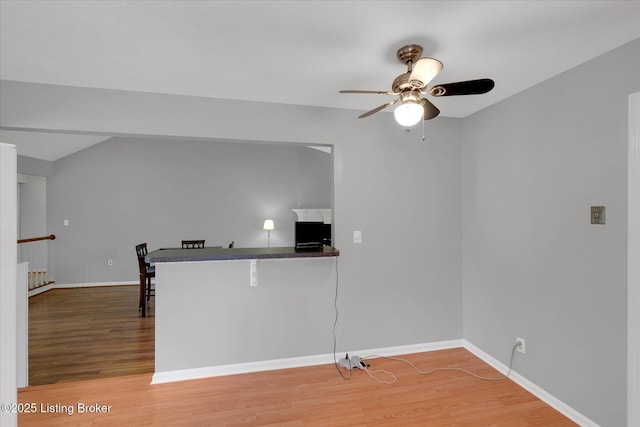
x,y
220,308
227,254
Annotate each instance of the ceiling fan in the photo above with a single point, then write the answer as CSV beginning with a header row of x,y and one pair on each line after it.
x,y
409,86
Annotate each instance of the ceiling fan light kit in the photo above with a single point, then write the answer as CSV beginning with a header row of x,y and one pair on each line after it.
x,y
409,113
410,85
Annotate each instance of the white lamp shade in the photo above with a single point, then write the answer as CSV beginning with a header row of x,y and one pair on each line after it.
x,y
409,113
268,224
425,70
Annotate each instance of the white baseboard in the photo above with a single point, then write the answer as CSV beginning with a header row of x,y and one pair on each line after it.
x,y
240,368
41,289
295,362
408,349
532,388
324,359
90,285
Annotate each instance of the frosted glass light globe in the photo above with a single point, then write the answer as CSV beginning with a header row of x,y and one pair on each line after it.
x,y
409,113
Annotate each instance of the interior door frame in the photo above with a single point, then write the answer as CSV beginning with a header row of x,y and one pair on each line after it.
x,y
8,287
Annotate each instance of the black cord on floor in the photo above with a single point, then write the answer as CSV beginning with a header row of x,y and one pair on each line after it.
x,y
335,323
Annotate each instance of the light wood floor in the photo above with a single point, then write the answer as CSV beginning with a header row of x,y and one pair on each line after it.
x,y
95,333
86,333
310,396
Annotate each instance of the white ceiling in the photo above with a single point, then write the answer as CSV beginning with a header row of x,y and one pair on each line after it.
x,y
304,52
49,146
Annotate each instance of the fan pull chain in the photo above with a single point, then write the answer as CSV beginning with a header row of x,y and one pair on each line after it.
x,y
423,131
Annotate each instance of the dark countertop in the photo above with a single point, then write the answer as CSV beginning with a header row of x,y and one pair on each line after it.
x,y
226,254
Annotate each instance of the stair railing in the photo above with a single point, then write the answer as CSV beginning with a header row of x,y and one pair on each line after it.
x,y
35,251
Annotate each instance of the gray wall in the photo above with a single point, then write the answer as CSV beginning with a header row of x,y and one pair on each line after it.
x,y
37,167
534,266
286,315
32,221
317,186
32,206
126,191
402,284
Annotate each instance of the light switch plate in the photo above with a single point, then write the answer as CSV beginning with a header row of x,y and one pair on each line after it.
x,y
597,214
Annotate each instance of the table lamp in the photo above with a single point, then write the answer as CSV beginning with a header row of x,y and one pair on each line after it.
x,y
268,225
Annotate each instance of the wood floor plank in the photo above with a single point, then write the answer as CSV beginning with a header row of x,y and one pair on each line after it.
x,y
315,396
86,333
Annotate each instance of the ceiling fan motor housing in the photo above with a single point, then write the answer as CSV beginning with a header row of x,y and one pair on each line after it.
x,y
401,83
410,96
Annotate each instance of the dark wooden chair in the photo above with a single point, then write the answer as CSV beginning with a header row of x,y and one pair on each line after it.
x,y
192,244
147,272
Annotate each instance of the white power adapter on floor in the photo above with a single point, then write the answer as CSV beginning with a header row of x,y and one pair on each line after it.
x,y
352,363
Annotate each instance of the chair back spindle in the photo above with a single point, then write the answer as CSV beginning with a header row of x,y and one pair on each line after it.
x,y
147,272
193,244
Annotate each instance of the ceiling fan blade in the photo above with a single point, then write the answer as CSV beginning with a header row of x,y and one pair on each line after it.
x,y
430,110
469,87
369,91
424,71
380,108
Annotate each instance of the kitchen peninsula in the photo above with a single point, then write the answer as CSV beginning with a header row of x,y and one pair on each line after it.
x,y
228,310
224,254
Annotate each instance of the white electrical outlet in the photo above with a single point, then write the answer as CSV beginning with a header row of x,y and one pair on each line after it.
x,y
521,345
110,262
357,236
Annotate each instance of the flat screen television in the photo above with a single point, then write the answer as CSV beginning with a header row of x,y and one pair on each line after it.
x,y
327,234
309,234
